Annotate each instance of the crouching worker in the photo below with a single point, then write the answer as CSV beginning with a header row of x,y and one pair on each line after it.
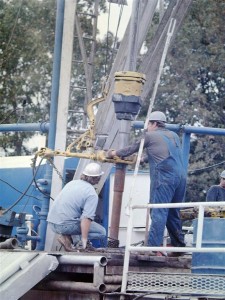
x,y
72,213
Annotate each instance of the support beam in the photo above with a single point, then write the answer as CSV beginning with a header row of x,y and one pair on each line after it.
x,y
106,122
63,101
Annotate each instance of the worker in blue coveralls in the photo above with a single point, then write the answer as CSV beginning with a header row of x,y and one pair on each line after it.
x,y
72,212
217,192
167,176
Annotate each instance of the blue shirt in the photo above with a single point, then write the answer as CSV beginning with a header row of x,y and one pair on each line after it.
x,y
215,193
77,200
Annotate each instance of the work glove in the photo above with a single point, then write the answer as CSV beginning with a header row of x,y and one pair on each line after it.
x,y
101,155
111,153
142,161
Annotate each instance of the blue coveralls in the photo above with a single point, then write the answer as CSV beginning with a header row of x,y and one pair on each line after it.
x,y
168,184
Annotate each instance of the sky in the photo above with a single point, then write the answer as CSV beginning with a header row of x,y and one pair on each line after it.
x,y
114,18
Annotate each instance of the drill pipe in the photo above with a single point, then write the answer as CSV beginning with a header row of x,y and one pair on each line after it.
x,y
82,260
11,243
70,286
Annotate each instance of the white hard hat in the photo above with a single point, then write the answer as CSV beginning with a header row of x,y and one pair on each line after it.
x,y
93,169
222,174
157,116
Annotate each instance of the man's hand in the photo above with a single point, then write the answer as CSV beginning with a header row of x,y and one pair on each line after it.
x,y
81,245
111,153
142,161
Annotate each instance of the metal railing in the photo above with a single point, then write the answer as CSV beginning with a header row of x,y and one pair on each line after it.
x,y
198,245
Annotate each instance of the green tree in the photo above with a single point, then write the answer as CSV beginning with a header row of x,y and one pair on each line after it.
x,y
27,30
26,48
192,89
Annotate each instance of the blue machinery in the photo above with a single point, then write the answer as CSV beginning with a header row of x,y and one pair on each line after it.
x,y
45,182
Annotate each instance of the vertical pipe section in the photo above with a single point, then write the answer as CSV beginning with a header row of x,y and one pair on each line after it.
x,y
124,128
186,149
200,227
127,253
56,72
105,196
119,180
63,98
53,115
64,90
133,36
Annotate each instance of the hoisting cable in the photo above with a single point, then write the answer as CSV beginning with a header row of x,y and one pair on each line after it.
x,y
35,170
107,42
13,187
24,193
115,38
170,32
192,172
9,114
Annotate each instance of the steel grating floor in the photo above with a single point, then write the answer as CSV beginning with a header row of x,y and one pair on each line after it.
x,y
181,284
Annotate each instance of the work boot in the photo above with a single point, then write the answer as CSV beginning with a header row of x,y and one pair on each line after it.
x,y
175,254
154,253
66,242
89,247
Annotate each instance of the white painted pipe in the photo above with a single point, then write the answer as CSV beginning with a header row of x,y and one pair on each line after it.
x,y
84,287
11,243
82,260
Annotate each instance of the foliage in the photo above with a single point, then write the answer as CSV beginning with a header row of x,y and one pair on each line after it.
x,y
27,40
192,90
27,30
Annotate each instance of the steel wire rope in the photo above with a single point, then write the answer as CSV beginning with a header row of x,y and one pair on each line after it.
x,y
25,204
14,110
35,170
107,42
191,172
9,114
170,31
18,200
18,190
115,38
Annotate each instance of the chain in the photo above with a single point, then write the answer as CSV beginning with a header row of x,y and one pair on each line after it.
x,y
54,167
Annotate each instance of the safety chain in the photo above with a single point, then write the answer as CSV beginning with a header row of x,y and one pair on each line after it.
x,y
54,167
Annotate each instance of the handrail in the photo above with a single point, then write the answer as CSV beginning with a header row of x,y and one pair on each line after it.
x,y
197,248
